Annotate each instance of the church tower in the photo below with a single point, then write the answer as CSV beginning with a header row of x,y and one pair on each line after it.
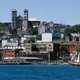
x,y
25,21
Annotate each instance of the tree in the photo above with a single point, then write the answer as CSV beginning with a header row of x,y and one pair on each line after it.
x,y
34,30
72,29
2,25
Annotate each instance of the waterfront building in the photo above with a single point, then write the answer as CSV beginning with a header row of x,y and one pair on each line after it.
x,y
9,42
28,39
46,37
8,54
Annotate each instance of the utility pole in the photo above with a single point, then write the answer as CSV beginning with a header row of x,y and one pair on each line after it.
x,y
48,57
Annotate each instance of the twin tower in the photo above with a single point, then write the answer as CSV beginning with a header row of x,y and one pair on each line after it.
x,y
19,21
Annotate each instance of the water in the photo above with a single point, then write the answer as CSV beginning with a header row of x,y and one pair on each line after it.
x,y
39,72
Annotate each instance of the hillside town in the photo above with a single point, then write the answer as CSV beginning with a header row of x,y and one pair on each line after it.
x,y
29,40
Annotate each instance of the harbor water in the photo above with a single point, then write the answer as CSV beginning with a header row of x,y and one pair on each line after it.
x,y
40,72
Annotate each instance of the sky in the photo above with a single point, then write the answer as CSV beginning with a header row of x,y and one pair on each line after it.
x,y
59,11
